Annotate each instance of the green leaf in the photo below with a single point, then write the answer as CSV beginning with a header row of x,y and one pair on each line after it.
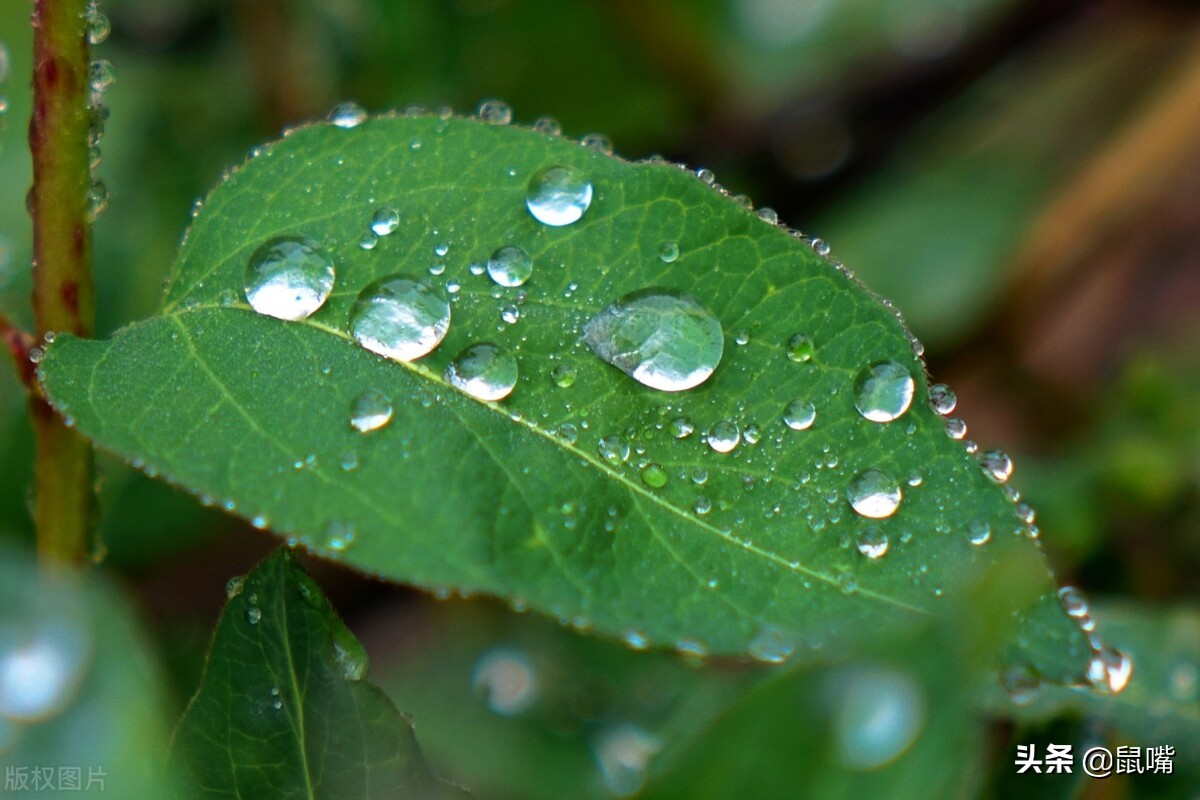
x,y
83,703
283,710
514,497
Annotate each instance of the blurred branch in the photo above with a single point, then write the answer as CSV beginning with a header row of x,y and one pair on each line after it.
x,y
62,270
18,343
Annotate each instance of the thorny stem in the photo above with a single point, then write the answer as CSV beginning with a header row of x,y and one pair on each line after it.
x,y
62,271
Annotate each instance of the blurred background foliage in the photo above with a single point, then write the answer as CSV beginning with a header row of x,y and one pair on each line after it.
x,y
1020,177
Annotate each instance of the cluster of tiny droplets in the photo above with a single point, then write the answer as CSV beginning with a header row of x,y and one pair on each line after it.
x,y
101,76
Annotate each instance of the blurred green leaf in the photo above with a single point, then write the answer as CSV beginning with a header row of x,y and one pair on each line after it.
x,y
283,710
82,698
514,498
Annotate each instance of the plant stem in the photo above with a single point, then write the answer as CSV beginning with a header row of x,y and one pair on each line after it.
x,y
62,273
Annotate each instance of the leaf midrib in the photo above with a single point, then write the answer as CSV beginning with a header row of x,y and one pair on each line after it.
x,y
588,458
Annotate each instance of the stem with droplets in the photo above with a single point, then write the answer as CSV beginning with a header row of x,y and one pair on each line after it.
x,y
62,270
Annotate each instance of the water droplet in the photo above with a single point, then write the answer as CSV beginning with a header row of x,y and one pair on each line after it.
x,y
942,398
996,465
288,278
370,411
668,252
1026,513
1073,602
1109,670
384,221
636,640
874,494
233,587
253,615
558,195
368,240
800,415
399,318
564,376
506,679
878,714
661,338
768,215
654,476
1020,682
42,662
724,436
622,753
483,371
800,348
510,314
872,542
98,26
681,427
771,645
547,125
699,476
820,247
598,142
979,532
702,506
36,355
496,112
348,115
613,449
752,434
510,266
956,428
883,391
97,199
101,75
339,535
847,583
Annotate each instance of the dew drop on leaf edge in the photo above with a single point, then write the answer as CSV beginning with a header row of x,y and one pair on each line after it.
x,y
883,391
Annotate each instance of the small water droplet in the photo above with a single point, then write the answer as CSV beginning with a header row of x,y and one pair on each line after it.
x,y
659,337
771,645
558,195
654,476
339,535
724,436
956,428
768,215
101,75
979,532
636,640
496,112
1109,670
883,391
996,465
547,125
1021,683
668,252
98,26
702,506
613,449
800,415
872,542
505,677
384,221
510,314
800,348
484,371
598,142
253,615
874,494
400,318
847,583
233,587
681,427
368,240
820,247
942,398
510,266
348,115
564,376
288,278
370,411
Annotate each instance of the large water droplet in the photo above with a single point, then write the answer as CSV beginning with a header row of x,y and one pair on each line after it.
x,y
370,411
558,195
800,415
663,339
510,266
399,318
288,278
883,391
874,494
483,371
724,436
872,542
